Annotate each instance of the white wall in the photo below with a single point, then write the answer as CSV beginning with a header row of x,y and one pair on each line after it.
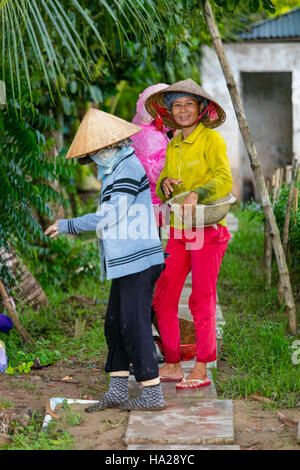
x,y
250,57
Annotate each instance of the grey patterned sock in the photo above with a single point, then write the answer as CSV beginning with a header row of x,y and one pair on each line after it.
x,y
116,395
151,399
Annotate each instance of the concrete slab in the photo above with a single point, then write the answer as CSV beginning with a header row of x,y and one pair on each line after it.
x,y
180,447
189,365
154,331
188,422
184,300
298,434
219,331
204,393
186,291
219,314
230,217
184,312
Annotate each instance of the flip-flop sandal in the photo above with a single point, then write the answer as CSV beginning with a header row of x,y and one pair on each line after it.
x,y
201,383
169,379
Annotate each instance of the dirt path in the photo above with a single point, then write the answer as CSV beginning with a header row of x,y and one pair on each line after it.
x,y
255,428
103,430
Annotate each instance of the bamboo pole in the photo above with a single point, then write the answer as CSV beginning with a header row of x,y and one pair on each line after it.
x,y
255,165
268,246
268,255
296,197
288,174
7,303
285,236
287,218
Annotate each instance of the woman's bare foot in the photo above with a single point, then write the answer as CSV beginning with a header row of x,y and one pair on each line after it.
x,y
198,373
171,371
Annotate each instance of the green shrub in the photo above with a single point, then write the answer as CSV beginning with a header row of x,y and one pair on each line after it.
x,y
254,211
294,228
64,261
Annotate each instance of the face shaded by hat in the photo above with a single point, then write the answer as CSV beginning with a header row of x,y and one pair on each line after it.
x,y
158,104
172,96
104,154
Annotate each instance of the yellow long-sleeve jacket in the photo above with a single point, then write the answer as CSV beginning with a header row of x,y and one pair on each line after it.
x,y
200,161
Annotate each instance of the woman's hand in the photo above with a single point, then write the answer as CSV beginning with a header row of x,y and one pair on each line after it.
x,y
188,206
166,185
52,230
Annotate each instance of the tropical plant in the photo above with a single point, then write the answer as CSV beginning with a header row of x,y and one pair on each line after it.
x,y
25,175
39,36
294,226
253,5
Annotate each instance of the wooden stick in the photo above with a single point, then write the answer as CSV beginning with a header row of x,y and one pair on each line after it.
x,y
288,174
268,246
255,165
274,187
6,301
268,255
287,218
281,172
285,236
296,196
295,170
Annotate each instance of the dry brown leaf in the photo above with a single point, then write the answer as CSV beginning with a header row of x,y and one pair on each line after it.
x,y
249,447
259,398
66,378
290,423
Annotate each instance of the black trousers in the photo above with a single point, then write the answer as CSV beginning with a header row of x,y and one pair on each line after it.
x,y
128,328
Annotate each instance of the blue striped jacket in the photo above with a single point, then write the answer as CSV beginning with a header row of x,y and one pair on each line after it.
x,y
124,222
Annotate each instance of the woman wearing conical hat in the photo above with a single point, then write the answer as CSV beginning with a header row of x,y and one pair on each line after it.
x,y
196,162
130,252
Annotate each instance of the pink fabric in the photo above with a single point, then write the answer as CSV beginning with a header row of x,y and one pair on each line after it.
x,y
150,145
204,264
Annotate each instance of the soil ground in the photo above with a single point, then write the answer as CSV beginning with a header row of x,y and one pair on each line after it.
x,y
256,427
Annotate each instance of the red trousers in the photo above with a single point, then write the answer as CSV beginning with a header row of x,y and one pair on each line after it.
x,y
205,265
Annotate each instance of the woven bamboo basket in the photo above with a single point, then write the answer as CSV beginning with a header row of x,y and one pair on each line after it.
x,y
205,214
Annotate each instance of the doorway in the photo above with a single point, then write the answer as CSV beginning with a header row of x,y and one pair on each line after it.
x,y
267,100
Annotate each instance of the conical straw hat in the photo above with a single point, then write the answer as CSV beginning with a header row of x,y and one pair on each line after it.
x,y
184,86
99,130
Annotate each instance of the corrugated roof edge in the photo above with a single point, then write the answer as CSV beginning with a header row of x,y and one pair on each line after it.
x,y
256,31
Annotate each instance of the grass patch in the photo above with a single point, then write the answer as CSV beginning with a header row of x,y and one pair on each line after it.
x,y
55,329
63,331
5,404
257,346
32,438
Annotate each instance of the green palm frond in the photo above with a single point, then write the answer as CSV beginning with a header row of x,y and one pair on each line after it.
x,y
38,36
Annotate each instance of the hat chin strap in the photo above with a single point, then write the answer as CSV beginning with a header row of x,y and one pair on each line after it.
x,y
210,109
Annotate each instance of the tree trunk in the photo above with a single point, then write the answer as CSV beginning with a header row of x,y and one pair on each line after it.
x,y
255,165
27,290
